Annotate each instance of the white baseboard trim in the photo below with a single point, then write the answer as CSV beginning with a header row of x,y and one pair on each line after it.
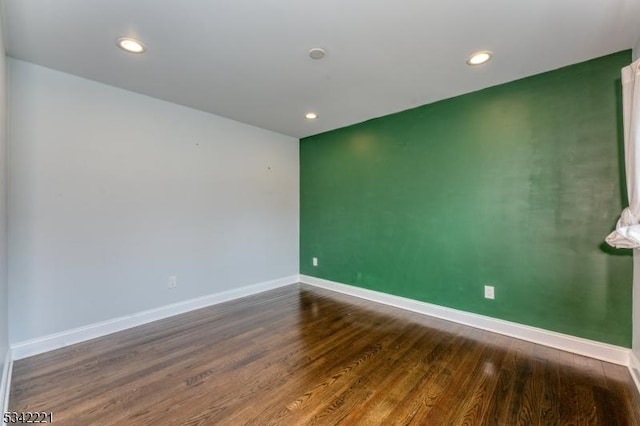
x,y
5,384
58,340
634,369
565,342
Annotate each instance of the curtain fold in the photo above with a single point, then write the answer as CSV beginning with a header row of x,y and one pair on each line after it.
x,y
627,232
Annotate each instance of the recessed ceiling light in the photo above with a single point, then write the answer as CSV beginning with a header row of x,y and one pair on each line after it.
x,y
311,116
317,53
479,58
131,45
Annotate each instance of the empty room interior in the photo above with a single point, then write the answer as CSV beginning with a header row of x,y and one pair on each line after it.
x,y
363,212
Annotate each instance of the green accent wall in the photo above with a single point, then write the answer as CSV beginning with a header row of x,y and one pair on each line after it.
x,y
515,186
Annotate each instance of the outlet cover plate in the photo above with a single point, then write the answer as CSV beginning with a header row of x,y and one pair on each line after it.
x,y
489,292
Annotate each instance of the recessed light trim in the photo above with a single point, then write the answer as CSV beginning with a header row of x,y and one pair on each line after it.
x,y
479,58
317,53
131,45
311,116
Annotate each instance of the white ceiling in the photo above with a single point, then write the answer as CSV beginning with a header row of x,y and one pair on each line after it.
x,y
247,59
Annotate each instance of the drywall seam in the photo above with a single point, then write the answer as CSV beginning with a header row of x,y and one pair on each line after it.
x,y
58,340
565,342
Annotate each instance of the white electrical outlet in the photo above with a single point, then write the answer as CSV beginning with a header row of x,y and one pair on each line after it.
x,y
489,292
173,281
315,261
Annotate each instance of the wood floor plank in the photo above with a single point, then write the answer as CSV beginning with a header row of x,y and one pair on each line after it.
x,y
549,410
300,355
624,398
481,392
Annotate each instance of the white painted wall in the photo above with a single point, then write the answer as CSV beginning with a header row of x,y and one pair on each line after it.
x,y
636,266
636,303
111,192
3,206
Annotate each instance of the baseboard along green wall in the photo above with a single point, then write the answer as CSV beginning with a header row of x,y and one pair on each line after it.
x,y
514,186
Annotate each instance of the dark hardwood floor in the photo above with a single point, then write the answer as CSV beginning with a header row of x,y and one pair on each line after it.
x,y
302,355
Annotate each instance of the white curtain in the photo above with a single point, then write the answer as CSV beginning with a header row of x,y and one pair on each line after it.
x,y
627,233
